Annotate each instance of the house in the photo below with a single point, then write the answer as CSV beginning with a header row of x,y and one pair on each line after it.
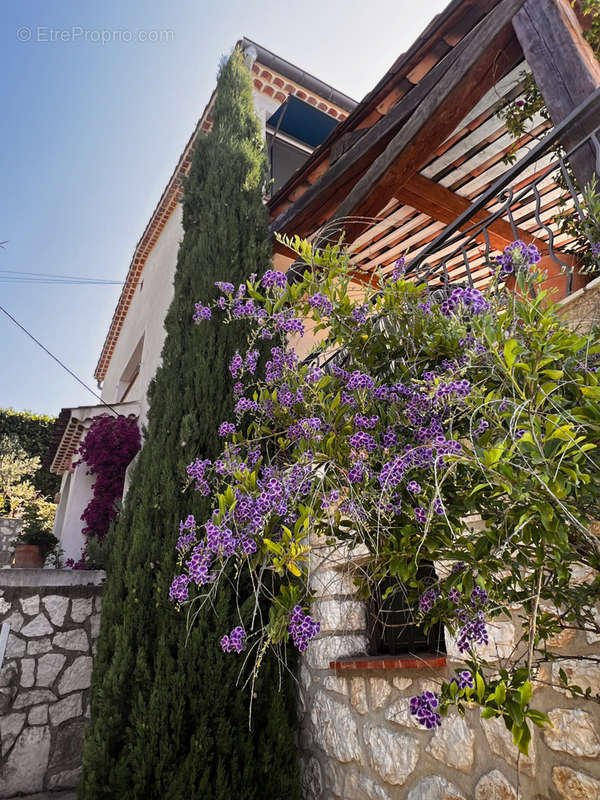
x,y
297,112
417,170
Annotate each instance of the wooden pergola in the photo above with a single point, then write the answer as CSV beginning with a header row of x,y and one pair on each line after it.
x,y
426,143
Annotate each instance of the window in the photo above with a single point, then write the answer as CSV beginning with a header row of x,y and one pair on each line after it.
x,y
130,373
391,628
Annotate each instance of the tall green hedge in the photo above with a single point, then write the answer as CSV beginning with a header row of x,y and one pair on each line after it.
x,y
169,719
34,432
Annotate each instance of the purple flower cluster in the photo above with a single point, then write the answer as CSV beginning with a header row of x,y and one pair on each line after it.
x,y
469,301
413,487
187,534
321,303
197,470
235,642
420,515
280,361
273,279
226,288
464,680
251,361
399,269
362,441
427,600
178,593
236,365
226,428
359,314
472,632
366,423
201,312
424,708
302,628
518,256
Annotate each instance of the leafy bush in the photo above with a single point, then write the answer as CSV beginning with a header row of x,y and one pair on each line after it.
x,y
413,413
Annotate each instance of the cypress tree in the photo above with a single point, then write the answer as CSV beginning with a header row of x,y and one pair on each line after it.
x,y
169,717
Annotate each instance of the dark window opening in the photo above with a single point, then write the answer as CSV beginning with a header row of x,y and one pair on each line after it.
x,y
391,627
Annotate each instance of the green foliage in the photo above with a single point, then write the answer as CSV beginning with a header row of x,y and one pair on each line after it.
x,y
34,433
37,529
168,716
409,417
18,494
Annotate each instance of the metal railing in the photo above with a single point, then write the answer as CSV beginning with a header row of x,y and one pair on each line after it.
x,y
516,198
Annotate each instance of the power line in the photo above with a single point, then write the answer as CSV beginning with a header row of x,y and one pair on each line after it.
x,y
18,276
58,361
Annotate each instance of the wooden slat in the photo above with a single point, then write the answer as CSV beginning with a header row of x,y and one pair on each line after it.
x,y
443,205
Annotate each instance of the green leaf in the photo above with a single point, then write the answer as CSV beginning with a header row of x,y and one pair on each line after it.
x,y
510,352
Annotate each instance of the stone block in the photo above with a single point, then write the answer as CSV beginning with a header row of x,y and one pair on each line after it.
x,y
48,668
331,648
72,640
76,677
95,625
362,787
452,743
393,756
573,785
333,683
30,605
8,674
32,698
68,708
10,727
37,646
68,746
56,606
15,620
66,779
573,732
4,607
27,763
402,683
434,787
329,582
312,780
340,615
399,713
39,626
334,728
15,647
38,715
494,786
27,672
501,743
581,673
358,695
379,692
81,608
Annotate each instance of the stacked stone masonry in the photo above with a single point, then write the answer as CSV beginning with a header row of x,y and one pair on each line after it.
x,y
9,529
359,742
45,676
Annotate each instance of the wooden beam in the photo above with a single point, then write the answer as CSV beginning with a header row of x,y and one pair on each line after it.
x,y
455,93
445,206
564,67
352,162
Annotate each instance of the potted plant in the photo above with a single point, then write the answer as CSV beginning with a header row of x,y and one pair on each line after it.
x,y
35,542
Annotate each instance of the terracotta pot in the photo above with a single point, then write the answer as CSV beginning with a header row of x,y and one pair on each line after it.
x,y
28,556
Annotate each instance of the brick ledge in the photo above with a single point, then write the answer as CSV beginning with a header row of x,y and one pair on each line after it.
x,y
407,661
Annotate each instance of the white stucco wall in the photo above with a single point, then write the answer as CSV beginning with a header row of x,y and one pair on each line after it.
x,y
151,302
146,317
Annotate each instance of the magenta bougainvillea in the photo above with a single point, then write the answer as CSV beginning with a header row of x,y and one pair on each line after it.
x,y
107,449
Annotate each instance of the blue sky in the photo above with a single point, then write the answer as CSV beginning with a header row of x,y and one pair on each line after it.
x,y
91,133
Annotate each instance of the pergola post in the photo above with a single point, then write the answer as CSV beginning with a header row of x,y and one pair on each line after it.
x,y
564,67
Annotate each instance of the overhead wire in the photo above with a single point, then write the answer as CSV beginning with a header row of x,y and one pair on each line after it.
x,y
59,362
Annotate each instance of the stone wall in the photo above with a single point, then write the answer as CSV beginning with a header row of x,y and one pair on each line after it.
x,y
359,742
582,308
9,528
54,617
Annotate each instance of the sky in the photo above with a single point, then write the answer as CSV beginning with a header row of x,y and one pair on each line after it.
x,y
98,102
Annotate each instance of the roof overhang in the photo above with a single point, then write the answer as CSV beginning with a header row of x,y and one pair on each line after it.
x,y
70,427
